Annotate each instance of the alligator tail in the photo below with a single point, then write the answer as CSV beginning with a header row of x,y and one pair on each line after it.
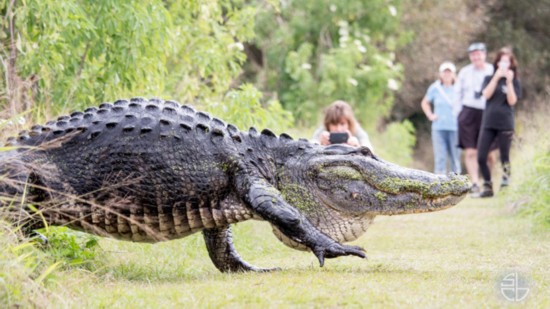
x,y
14,177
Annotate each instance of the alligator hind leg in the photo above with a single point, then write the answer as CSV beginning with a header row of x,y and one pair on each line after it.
x,y
219,242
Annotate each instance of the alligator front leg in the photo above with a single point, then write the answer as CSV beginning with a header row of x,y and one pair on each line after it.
x,y
219,242
269,204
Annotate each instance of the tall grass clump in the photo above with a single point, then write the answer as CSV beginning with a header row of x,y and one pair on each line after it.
x,y
531,169
24,272
29,267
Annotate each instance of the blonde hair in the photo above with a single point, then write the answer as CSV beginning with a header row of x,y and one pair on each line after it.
x,y
338,110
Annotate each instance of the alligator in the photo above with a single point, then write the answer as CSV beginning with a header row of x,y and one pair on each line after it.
x,y
149,170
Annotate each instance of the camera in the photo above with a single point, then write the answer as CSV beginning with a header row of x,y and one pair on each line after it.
x,y
477,94
338,137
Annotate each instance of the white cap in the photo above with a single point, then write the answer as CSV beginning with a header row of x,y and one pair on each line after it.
x,y
447,66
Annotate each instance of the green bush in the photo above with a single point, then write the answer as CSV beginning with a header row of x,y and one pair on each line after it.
x,y
395,143
71,248
314,52
530,192
24,270
534,192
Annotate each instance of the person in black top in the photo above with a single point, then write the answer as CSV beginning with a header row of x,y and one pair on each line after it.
x,y
502,91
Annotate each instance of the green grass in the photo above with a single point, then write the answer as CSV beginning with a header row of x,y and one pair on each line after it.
x,y
531,172
452,258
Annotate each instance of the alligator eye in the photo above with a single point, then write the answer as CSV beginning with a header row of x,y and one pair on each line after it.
x,y
343,188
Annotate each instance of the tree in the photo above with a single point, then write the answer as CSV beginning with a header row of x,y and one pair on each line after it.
x,y
310,53
74,53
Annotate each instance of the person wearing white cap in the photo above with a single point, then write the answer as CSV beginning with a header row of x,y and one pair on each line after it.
x,y
472,103
444,123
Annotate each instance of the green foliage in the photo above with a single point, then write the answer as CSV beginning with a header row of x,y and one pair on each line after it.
x,y
400,149
533,192
71,248
530,190
537,191
242,108
318,51
207,52
523,25
84,52
23,272
75,53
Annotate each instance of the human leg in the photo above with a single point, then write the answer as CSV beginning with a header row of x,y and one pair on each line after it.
x,y
505,143
469,124
440,158
453,151
470,160
485,139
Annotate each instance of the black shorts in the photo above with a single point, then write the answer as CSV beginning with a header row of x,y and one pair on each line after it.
x,y
469,127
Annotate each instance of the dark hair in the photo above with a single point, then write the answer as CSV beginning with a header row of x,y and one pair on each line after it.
x,y
506,51
338,110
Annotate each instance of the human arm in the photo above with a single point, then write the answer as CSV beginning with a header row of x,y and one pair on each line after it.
x,y
352,140
428,109
491,86
459,89
511,95
321,136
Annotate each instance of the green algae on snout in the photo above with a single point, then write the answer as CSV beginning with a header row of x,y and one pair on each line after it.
x,y
342,173
395,185
381,196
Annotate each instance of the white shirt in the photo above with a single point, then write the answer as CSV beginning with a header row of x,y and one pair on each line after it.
x,y
469,82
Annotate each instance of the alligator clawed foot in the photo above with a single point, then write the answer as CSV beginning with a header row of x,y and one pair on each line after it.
x,y
243,267
264,270
336,250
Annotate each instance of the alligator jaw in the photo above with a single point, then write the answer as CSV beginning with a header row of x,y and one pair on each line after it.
x,y
415,191
363,184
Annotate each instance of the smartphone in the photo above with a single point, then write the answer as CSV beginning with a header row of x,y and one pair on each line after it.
x,y
338,137
504,65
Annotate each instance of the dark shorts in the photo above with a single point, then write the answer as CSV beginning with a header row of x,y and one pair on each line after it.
x,y
469,127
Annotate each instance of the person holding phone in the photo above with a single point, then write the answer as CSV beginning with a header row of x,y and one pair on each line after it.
x,y
444,123
502,91
341,127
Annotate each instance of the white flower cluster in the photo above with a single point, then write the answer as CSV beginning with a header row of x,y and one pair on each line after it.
x,y
343,31
393,10
393,84
236,45
17,120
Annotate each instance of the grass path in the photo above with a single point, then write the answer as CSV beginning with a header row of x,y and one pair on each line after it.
x,y
453,258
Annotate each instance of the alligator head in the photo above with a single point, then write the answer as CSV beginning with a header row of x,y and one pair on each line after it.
x,y
341,189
